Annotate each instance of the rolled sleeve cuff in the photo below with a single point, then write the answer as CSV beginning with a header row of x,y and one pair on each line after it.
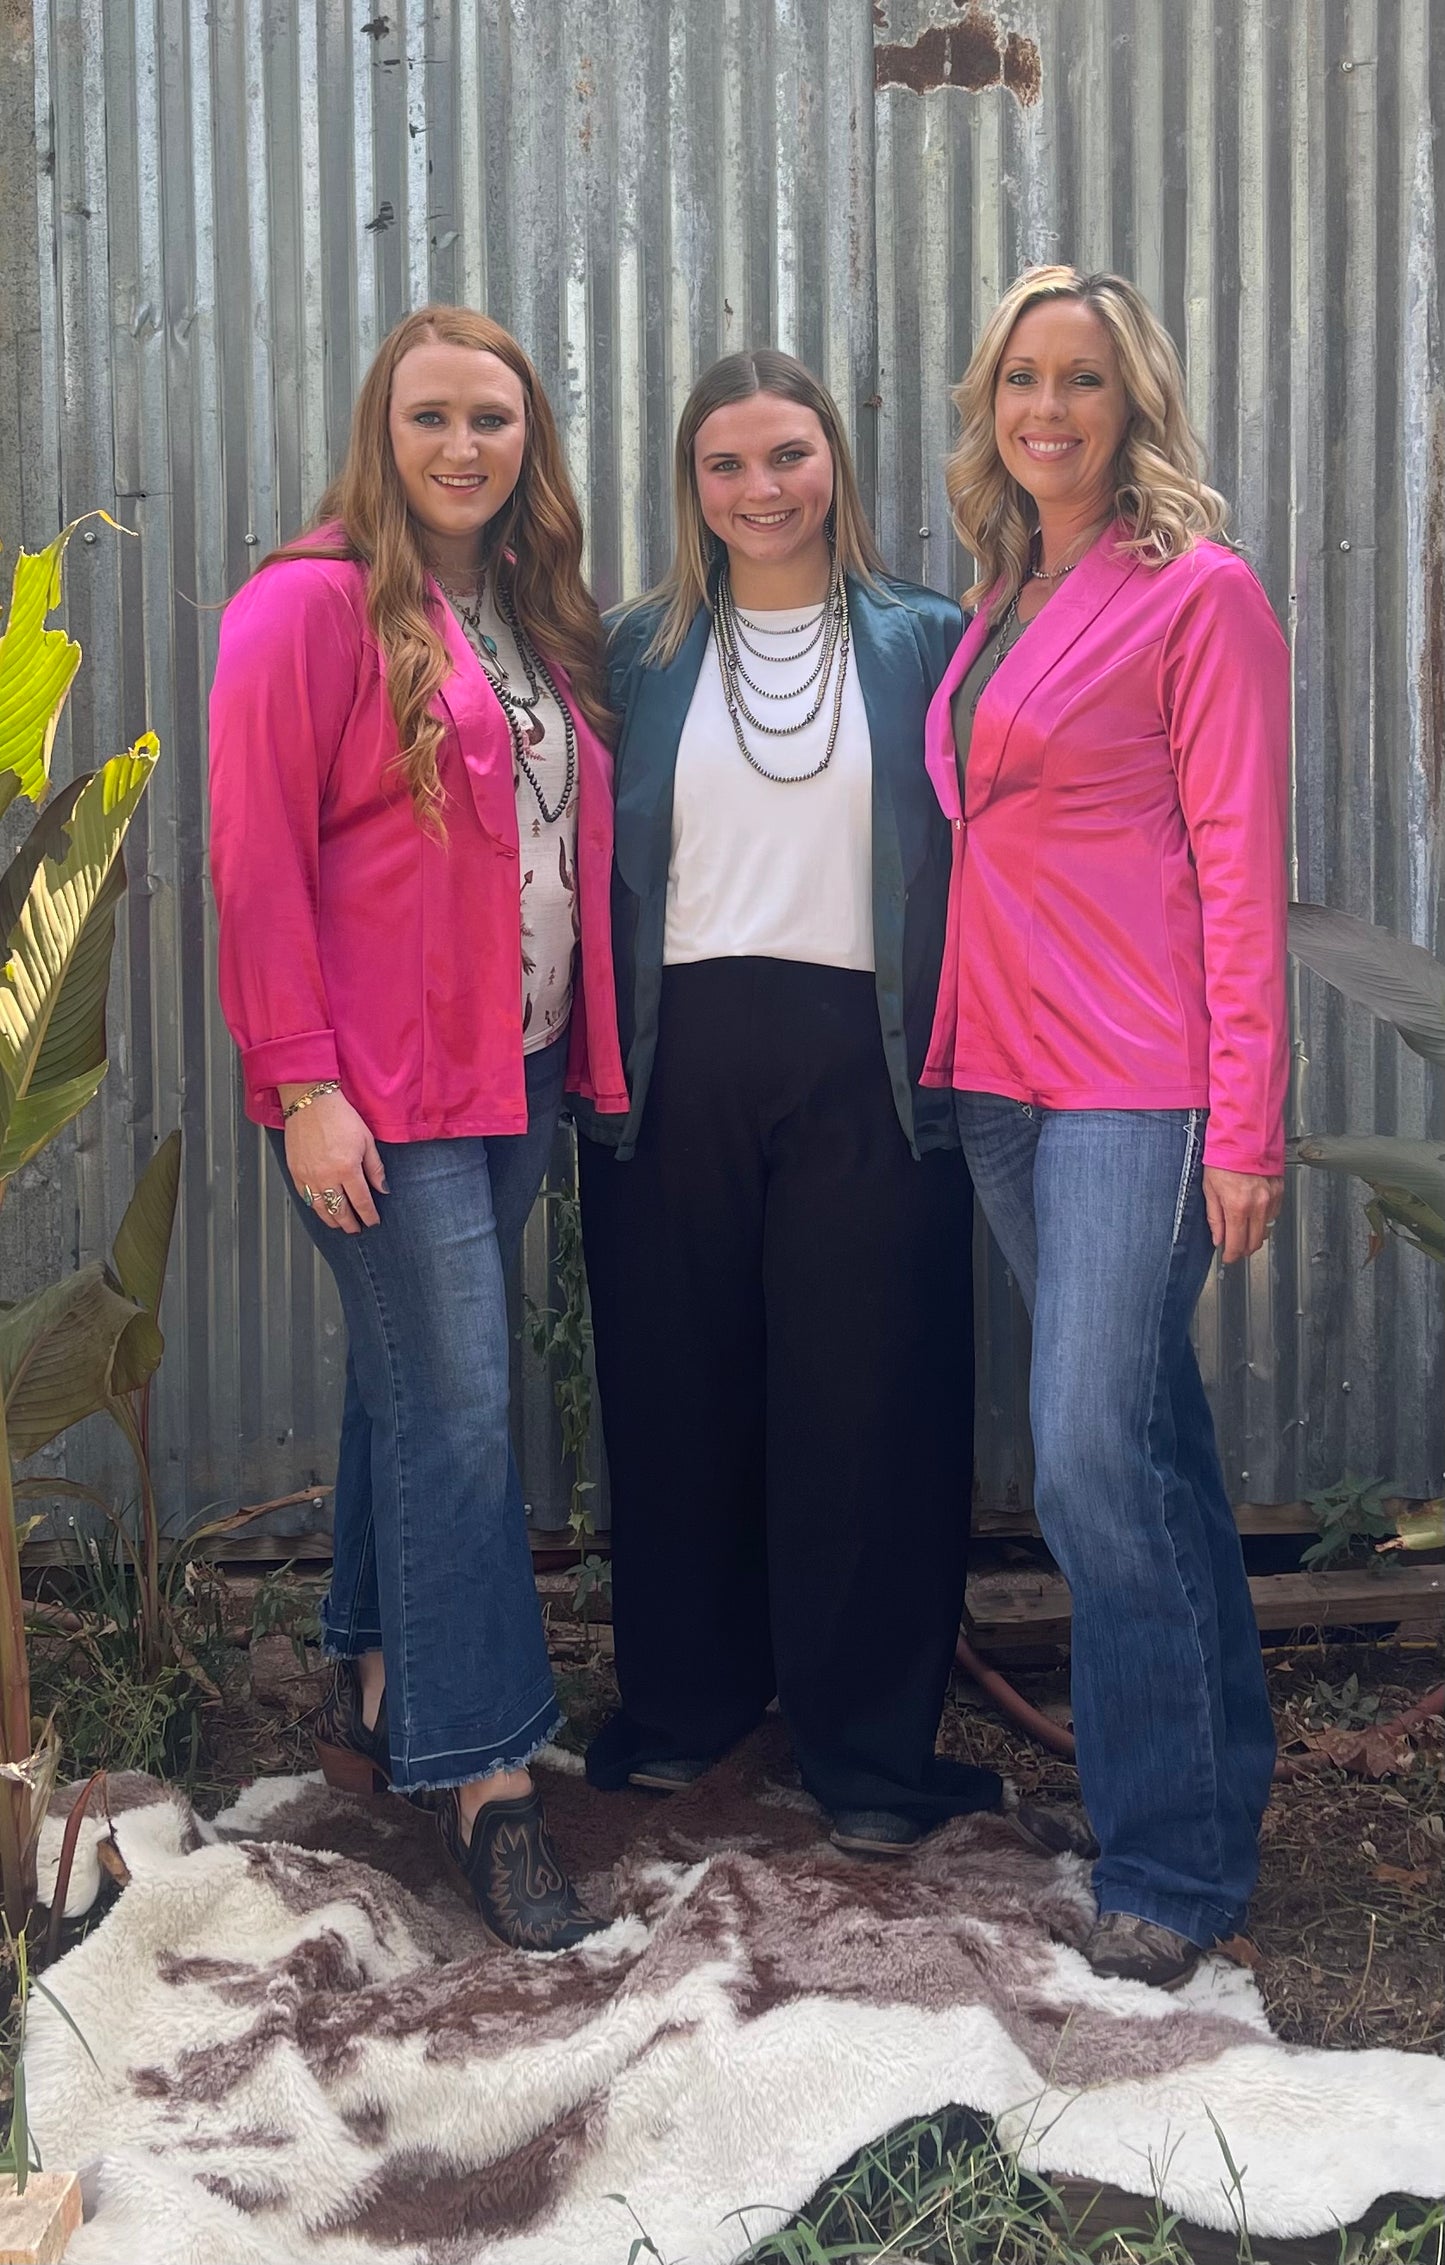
x,y
1227,1151
303,1059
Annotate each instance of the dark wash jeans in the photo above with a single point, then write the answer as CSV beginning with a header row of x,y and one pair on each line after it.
x,y
431,1557
1100,1214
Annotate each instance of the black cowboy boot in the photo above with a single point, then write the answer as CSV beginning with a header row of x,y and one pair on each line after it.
x,y
514,1872
352,1758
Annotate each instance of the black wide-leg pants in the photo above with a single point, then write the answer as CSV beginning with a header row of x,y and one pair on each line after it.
x,y
782,1306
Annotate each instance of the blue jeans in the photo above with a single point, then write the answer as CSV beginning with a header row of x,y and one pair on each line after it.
x,y
431,1560
1100,1214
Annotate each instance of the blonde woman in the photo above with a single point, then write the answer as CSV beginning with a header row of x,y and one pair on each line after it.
x,y
776,1230
1110,747
411,834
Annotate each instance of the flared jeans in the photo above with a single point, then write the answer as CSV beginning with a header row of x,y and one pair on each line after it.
x,y
1100,1215
431,1562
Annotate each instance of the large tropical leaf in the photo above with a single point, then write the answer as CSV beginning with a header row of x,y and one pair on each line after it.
x,y
36,668
1400,982
58,1353
143,1244
58,1090
57,965
1406,1167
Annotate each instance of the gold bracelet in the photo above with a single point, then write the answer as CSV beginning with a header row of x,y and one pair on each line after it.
x,y
304,1100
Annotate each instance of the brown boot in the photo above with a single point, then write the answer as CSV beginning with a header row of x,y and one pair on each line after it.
x,y
1058,1828
1125,1949
514,1872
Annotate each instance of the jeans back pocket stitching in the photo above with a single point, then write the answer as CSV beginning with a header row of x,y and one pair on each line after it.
x,y
1191,1150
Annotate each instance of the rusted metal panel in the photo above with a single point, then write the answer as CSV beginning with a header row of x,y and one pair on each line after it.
x,y
635,186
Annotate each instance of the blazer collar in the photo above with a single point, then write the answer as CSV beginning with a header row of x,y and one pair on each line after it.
x,y
483,733
467,694
1100,574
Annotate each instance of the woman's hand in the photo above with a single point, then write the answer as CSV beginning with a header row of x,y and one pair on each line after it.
x,y
1242,1207
329,1148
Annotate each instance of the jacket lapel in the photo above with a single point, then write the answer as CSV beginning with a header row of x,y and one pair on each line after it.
x,y
483,735
895,698
938,731
1093,584
646,762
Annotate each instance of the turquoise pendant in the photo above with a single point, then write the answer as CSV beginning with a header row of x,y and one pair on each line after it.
x,y
491,645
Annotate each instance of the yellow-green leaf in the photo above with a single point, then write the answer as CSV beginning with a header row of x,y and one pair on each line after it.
x,y
36,668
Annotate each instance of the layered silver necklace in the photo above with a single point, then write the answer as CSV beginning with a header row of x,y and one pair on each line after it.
x,y
826,633
518,704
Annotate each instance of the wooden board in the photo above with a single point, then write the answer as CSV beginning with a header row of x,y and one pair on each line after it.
x,y
993,1523
1037,1606
36,2226
557,1548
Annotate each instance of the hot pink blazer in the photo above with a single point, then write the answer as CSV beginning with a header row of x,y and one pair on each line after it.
x,y
353,944
1116,920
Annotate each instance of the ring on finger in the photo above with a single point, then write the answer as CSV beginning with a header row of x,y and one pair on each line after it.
x,y
308,1197
333,1200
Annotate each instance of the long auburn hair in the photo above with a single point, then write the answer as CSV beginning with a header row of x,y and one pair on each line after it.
x,y
687,584
1159,487
364,516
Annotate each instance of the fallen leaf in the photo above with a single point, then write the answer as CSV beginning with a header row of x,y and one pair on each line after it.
x,y
1396,1875
1375,1751
110,1859
1241,1950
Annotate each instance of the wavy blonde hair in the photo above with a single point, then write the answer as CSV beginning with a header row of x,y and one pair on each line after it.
x,y
364,516
1159,487
687,584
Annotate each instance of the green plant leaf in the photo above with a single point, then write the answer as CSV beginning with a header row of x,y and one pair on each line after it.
x,y
37,666
137,1356
58,1354
1400,982
56,966
143,1245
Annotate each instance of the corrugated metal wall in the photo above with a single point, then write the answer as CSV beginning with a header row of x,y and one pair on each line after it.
x,y
227,202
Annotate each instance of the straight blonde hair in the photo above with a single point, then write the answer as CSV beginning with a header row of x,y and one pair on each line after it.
x,y
687,584
1159,487
364,516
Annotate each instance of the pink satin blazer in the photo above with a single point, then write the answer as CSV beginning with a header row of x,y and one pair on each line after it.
x,y
354,944
1116,920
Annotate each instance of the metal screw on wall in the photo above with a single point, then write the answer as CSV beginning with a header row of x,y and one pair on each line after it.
x,y
90,536
1344,546
252,541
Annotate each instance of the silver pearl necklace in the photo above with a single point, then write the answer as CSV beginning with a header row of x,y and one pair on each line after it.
x,y
831,669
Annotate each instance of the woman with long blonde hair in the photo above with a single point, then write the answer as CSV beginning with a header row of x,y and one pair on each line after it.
x,y
775,1230
411,835
1110,745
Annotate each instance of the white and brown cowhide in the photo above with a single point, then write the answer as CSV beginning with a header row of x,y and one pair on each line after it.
x,y
300,2045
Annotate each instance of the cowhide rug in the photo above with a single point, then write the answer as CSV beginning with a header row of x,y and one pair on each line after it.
x,y
299,2048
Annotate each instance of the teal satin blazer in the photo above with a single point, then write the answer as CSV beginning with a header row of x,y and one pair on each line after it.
x,y
904,637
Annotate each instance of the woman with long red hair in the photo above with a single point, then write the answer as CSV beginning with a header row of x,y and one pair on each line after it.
x,y
411,842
